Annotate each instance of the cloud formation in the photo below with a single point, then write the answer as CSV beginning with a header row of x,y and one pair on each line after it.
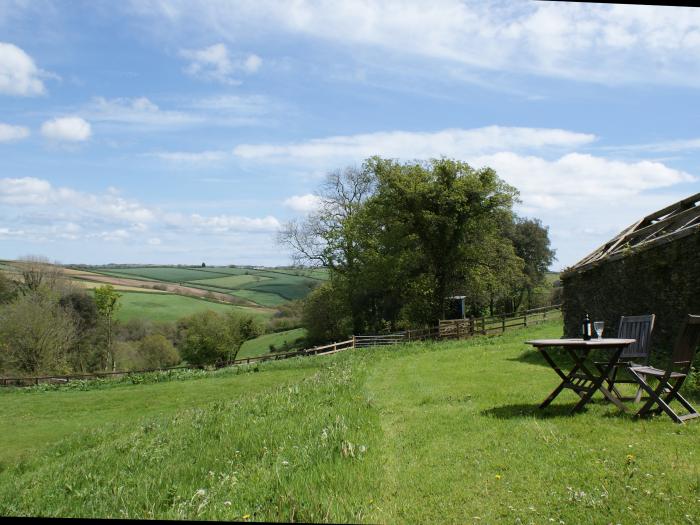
x,y
10,133
214,63
302,203
66,129
18,72
40,207
589,42
420,145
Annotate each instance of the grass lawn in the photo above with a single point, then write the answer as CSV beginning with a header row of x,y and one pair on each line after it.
x,y
171,307
437,432
261,345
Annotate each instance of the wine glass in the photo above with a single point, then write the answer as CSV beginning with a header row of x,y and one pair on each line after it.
x,y
598,327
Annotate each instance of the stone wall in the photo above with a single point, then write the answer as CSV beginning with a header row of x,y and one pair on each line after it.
x,y
663,280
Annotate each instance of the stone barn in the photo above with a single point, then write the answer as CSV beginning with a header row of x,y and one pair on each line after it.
x,y
651,267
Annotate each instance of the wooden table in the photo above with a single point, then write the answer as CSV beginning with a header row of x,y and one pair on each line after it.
x,y
582,379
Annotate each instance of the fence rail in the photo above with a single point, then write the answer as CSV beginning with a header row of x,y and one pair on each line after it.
x,y
447,329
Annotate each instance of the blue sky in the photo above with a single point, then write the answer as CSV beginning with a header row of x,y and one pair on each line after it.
x,y
185,131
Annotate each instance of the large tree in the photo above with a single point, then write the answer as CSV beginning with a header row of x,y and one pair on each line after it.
x,y
400,238
531,242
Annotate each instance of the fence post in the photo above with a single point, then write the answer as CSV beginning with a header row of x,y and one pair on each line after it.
x,y
471,325
503,324
525,320
353,341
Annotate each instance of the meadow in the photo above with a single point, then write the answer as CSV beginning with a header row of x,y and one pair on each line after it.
x,y
171,307
427,432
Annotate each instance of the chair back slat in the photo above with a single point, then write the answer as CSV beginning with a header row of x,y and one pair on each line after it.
x,y
637,327
687,343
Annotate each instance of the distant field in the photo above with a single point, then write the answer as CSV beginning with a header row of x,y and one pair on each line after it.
x,y
261,345
231,281
264,286
171,307
168,273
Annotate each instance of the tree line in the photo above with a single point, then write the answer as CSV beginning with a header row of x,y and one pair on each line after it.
x,y
400,239
48,325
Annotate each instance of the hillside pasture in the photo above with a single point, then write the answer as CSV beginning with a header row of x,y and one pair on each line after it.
x,y
171,307
261,345
229,282
171,274
265,287
427,432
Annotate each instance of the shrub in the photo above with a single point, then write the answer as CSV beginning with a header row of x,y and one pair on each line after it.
x,y
207,338
36,334
156,351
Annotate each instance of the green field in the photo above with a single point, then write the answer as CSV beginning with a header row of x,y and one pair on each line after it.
x,y
433,432
266,287
231,281
261,345
171,307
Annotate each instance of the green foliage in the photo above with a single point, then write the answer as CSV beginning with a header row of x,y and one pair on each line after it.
x,y
36,335
107,300
207,338
326,316
157,351
8,288
400,238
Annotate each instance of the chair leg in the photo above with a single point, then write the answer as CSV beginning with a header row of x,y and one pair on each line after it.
x,y
655,398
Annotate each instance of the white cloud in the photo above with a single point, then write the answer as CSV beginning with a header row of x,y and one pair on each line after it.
x,y
588,42
18,72
136,111
66,129
231,223
10,133
214,63
303,203
191,158
576,180
154,241
406,144
45,211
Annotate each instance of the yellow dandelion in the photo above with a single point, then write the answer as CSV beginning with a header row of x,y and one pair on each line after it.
x,y
498,476
246,516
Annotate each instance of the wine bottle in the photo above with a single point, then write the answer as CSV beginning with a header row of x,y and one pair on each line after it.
x,y
587,328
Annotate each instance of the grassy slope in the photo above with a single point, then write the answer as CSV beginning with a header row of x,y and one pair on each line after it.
x,y
261,345
426,433
170,307
41,418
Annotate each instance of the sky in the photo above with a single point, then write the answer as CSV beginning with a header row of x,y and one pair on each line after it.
x,y
185,131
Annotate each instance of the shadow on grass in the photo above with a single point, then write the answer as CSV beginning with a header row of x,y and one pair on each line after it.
x,y
519,410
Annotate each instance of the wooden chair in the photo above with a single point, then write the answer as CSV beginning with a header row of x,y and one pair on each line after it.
x,y
671,379
637,327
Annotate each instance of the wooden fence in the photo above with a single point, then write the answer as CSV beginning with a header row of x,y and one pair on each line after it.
x,y
447,329
61,379
463,328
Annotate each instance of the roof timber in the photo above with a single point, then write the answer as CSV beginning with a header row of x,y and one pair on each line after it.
x,y
668,224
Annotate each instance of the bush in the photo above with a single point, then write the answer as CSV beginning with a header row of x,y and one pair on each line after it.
x,y
156,351
207,338
36,335
326,316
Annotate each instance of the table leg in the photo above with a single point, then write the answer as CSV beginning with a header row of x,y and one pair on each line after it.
x,y
566,379
597,382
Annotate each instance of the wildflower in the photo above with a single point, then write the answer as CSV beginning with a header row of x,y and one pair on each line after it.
x,y
227,503
630,458
498,476
246,516
200,492
285,463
